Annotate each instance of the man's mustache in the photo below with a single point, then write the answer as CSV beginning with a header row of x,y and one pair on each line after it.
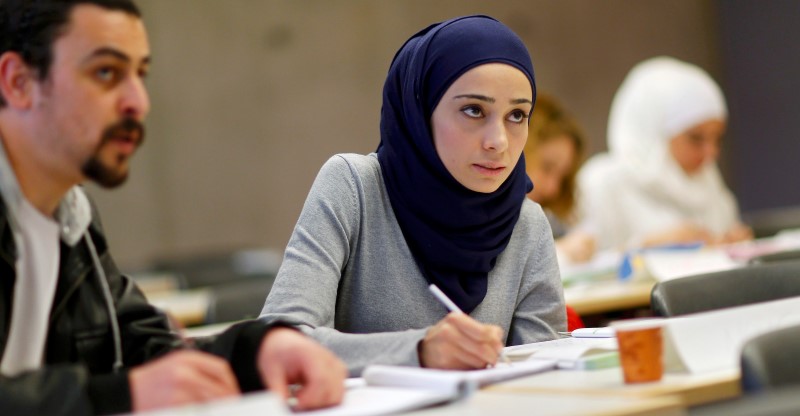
x,y
127,129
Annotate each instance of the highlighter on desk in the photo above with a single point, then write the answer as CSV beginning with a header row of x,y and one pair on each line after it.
x,y
452,307
603,332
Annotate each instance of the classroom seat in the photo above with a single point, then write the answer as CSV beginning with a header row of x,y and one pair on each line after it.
x,y
238,300
735,287
771,360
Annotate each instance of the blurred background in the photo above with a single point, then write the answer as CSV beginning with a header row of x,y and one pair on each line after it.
x,y
250,97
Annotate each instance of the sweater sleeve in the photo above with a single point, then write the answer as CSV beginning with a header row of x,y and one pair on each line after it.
x,y
239,345
306,292
540,310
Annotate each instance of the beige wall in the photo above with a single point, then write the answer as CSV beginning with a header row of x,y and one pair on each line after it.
x,y
250,97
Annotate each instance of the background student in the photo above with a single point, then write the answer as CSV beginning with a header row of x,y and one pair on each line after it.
x,y
553,154
76,336
442,201
659,182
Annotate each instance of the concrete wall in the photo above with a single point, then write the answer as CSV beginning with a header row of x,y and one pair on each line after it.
x,y
250,97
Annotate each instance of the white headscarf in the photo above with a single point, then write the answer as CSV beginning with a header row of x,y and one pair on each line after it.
x,y
659,99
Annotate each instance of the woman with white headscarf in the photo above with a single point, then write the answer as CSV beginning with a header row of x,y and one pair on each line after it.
x,y
659,182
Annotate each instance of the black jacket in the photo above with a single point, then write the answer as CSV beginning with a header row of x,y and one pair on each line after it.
x,y
77,376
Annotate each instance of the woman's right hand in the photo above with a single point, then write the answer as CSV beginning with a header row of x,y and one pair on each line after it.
x,y
578,246
460,342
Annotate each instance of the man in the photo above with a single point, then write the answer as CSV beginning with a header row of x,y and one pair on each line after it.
x,y
76,337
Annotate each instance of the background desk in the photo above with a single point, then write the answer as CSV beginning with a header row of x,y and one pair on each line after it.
x,y
189,307
608,296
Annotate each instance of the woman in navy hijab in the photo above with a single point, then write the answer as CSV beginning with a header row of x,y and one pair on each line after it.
x,y
442,202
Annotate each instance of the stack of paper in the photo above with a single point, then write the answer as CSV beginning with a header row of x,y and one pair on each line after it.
x,y
569,353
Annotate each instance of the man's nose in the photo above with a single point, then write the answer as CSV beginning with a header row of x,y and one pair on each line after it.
x,y
135,101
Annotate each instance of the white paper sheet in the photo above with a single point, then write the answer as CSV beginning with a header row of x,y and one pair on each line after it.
x,y
712,341
665,265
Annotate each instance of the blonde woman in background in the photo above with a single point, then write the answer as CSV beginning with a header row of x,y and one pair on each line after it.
x,y
554,153
659,183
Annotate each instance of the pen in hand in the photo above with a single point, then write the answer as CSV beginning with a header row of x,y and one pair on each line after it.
x,y
452,307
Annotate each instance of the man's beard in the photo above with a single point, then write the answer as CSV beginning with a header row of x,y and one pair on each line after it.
x,y
111,176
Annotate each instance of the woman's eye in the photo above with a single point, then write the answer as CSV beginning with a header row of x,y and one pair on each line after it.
x,y
472,111
696,139
517,116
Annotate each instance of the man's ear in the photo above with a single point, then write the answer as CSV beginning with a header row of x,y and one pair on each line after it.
x,y
16,80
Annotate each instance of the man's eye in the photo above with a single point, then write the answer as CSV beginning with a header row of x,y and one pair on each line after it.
x,y
472,111
517,116
106,74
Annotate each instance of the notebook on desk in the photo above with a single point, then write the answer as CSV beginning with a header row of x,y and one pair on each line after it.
x,y
386,389
570,353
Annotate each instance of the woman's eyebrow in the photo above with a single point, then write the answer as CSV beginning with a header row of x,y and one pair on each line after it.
x,y
492,100
475,96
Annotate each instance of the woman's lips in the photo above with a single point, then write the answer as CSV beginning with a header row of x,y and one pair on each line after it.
x,y
488,169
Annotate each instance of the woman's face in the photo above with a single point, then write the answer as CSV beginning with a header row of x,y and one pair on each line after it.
x,y
481,124
698,145
547,167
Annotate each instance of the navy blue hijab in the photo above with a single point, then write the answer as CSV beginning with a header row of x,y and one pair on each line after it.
x,y
455,234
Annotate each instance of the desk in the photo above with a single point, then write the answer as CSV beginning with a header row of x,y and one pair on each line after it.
x,y
690,389
482,403
609,295
188,307
493,403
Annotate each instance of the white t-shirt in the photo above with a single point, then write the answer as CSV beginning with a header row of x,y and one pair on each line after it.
x,y
37,274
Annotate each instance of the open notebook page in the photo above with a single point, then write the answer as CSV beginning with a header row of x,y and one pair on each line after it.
x,y
454,383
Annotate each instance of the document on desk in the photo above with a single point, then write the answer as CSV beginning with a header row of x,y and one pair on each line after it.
x,y
376,400
260,403
603,266
712,341
452,382
569,353
665,265
746,250
387,389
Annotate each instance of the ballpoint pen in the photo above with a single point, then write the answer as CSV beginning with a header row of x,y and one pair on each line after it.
x,y
452,307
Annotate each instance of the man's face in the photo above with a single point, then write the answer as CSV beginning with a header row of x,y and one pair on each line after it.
x,y
90,107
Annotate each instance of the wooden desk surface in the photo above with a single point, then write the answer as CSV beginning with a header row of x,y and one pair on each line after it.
x,y
690,389
607,296
188,307
482,403
494,403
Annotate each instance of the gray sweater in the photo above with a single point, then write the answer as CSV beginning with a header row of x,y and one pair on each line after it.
x,y
349,280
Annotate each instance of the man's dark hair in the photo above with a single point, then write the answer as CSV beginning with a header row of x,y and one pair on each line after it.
x,y
29,27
